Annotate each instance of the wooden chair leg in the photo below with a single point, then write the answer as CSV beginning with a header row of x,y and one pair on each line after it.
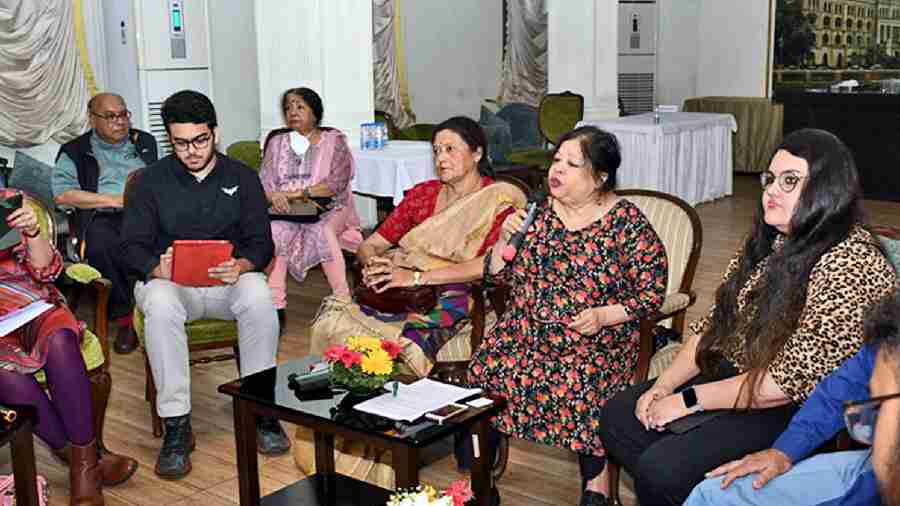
x,y
612,468
101,386
156,421
237,358
502,457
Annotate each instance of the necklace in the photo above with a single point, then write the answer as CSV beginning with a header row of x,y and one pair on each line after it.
x,y
574,217
450,198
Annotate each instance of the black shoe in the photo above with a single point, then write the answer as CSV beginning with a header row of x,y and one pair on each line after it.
x,y
174,460
591,498
270,437
126,341
282,322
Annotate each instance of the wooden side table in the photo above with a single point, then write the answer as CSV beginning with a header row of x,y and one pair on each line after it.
x,y
19,435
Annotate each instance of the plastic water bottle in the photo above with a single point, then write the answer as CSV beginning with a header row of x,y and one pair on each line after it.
x,y
380,135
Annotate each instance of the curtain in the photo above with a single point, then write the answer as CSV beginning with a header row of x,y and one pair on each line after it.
x,y
389,65
43,92
524,74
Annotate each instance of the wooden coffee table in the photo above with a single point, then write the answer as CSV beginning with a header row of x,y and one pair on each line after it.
x,y
19,436
266,393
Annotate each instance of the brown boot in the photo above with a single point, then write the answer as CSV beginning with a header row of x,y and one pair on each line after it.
x,y
85,476
115,469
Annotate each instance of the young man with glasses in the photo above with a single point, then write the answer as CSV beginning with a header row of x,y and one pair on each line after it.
x,y
90,176
850,398
199,193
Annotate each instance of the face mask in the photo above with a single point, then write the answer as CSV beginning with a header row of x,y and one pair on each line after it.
x,y
299,143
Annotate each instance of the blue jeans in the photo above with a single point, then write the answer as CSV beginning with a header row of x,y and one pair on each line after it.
x,y
812,481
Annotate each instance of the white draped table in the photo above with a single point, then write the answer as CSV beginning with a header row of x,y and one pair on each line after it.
x,y
687,154
389,172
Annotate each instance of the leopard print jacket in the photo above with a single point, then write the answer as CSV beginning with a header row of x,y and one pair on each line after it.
x,y
845,282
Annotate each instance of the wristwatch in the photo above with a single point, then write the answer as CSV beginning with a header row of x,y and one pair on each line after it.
x,y
689,396
417,278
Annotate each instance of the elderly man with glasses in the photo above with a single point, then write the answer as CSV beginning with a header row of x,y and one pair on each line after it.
x,y
90,176
848,398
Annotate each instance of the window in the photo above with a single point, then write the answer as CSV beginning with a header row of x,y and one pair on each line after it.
x,y
859,25
837,40
825,38
826,21
859,40
838,22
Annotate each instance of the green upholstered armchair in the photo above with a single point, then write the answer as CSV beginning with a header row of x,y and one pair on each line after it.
x,y
557,114
247,152
95,342
202,335
207,334
417,132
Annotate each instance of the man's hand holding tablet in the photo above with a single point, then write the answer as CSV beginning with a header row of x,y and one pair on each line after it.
x,y
201,263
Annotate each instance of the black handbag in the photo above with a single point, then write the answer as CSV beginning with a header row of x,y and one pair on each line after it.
x,y
419,299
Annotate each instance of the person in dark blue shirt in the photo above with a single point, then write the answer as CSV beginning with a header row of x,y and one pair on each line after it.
x,y
849,397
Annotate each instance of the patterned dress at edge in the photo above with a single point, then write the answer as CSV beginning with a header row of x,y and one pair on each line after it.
x,y
555,379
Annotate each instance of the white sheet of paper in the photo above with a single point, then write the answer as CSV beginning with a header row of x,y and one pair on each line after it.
x,y
21,316
415,399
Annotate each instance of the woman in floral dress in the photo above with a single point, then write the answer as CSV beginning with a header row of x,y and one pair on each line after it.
x,y
590,266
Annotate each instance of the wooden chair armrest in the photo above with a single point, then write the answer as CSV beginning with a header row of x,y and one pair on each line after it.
x,y
102,286
477,316
645,352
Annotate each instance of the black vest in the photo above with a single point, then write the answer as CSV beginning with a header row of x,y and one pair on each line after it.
x,y
79,151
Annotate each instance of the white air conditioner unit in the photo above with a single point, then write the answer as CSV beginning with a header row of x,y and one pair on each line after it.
x,y
153,49
638,30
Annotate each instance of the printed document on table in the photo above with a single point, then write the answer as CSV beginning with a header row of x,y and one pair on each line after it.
x,y
21,316
416,399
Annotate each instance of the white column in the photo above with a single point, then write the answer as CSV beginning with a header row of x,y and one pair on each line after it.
x,y
325,45
583,53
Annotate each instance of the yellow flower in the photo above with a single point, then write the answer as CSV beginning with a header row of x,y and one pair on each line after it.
x,y
377,362
363,343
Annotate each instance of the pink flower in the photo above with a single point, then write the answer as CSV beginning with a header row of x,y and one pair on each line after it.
x,y
393,349
333,353
351,358
460,491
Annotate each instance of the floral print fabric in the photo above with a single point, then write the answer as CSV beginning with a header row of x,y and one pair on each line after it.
x,y
554,379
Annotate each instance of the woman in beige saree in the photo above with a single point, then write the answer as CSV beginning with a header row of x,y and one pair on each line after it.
x,y
437,236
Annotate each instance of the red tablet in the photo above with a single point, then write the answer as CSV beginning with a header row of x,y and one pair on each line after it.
x,y
192,259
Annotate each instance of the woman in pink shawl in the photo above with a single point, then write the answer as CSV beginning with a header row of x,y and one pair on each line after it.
x,y
309,161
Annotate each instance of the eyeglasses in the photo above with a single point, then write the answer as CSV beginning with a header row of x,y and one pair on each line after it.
x,y
861,417
199,142
113,116
787,181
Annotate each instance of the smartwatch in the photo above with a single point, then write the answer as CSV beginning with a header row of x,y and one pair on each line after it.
x,y
689,396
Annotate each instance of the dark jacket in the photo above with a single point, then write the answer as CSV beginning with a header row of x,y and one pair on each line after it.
x,y
79,151
166,203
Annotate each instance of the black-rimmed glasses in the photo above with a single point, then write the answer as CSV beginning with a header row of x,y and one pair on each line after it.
x,y
787,181
861,417
199,142
114,116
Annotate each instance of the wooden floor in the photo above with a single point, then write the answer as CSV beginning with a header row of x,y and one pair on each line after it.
x,y
536,475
